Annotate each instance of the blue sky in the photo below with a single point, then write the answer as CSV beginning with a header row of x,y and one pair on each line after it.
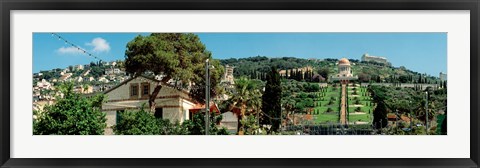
x,y
421,52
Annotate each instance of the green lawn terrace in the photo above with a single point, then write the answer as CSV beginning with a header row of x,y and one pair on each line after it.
x,y
360,106
327,108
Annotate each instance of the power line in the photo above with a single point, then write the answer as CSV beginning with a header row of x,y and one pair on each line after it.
x,y
76,46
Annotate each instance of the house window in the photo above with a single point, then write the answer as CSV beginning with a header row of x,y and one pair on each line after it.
x,y
145,89
190,113
158,113
134,90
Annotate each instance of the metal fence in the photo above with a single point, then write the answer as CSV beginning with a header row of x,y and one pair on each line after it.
x,y
331,129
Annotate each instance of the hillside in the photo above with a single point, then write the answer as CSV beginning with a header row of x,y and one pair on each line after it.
x,y
367,71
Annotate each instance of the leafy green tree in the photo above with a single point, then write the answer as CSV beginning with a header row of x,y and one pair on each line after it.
x,y
271,99
289,104
250,125
72,114
380,115
403,79
363,77
138,123
196,126
324,72
380,112
176,56
300,107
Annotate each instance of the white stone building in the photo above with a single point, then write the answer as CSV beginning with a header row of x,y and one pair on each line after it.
x,y
228,75
368,58
44,84
78,67
443,76
344,71
131,94
65,77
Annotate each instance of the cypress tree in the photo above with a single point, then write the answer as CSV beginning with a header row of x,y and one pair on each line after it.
x,y
271,100
380,115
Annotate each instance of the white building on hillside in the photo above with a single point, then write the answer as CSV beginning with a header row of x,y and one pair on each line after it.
x,y
443,76
344,71
370,58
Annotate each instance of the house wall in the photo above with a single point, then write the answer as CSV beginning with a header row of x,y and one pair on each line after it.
x,y
111,121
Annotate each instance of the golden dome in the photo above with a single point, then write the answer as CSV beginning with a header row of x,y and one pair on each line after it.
x,y
344,61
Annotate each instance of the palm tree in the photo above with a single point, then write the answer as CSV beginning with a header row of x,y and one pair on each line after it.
x,y
246,97
256,102
289,104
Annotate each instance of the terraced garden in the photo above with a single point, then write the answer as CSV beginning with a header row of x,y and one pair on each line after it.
x,y
327,107
360,106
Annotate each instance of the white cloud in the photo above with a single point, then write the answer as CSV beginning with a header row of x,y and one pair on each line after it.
x,y
69,50
99,45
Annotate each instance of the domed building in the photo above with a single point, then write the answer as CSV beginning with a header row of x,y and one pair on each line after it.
x,y
344,71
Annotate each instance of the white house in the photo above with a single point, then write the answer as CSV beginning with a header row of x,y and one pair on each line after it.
x,y
44,84
131,94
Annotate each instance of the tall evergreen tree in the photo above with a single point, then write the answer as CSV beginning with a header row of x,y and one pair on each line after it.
x,y
443,128
271,100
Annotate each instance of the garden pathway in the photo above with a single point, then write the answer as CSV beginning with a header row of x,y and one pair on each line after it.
x,y
343,110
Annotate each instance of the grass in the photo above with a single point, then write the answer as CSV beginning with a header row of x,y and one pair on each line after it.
x,y
321,111
364,109
360,117
326,118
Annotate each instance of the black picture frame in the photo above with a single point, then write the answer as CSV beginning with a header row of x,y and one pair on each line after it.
x,y
9,5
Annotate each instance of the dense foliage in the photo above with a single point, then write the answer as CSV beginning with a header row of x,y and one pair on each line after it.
x,y
408,101
72,114
144,123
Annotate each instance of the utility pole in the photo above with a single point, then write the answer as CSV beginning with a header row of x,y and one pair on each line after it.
x,y
281,117
426,112
207,96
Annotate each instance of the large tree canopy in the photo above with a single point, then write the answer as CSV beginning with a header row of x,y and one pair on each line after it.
x,y
176,56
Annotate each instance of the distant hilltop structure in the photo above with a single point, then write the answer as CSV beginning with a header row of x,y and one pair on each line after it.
x,y
443,76
228,75
370,58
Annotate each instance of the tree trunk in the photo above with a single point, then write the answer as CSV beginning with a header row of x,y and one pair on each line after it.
x,y
242,111
153,96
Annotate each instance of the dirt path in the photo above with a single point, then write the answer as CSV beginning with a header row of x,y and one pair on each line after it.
x,y
343,110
